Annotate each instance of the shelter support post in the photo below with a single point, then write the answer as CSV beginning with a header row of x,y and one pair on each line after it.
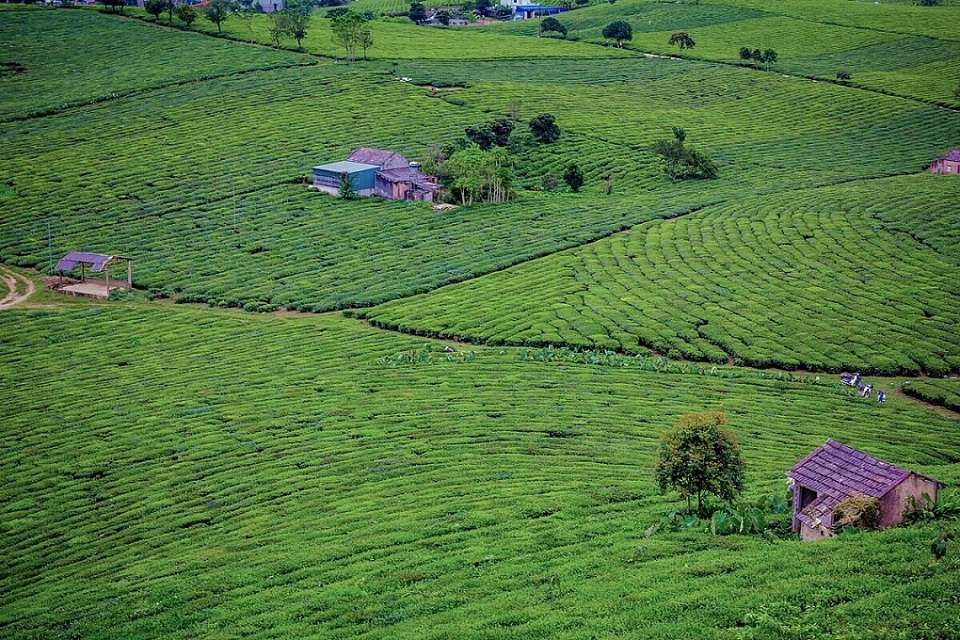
x,y
130,274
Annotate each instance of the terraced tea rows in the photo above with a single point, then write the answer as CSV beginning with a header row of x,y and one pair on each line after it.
x,y
945,393
894,62
295,248
263,475
161,175
399,39
106,57
824,279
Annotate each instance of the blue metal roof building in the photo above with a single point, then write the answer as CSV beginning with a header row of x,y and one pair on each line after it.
x,y
327,177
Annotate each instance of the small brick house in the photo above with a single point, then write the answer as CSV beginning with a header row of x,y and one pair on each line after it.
x,y
948,164
833,472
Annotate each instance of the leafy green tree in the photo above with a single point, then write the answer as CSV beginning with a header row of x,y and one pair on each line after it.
x,y
466,169
496,133
296,23
929,3
573,177
277,27
115,6
682,39
745,54
544,128
482,6
618,31
697,457
683,162
186,14
348,31
769,57
417,12
365,38
552,24
217,12
473,174
155,8
346,186
843,76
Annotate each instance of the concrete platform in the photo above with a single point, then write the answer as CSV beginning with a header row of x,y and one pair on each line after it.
x,y
89,289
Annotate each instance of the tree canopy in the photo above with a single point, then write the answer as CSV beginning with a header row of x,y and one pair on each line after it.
x,y
544,128
552,24
350,30
217,12
619,31
417,12
682,39
573,177
155,8
697,457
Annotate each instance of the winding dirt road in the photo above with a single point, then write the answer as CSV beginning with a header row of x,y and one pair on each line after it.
x,y
10,280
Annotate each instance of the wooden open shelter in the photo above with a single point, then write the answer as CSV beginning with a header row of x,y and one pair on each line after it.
x,y
93,263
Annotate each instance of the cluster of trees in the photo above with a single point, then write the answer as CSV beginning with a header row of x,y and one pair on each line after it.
x,y
682,39
292,21
352,32
619,32
757,57
184,12
551,24
479,167
683,162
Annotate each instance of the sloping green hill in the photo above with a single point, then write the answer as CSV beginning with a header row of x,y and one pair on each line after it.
x,y
225,473
75,57
826,279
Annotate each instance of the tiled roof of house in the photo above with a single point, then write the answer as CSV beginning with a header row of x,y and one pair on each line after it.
x,y
379,157
408,174
836,471
953,155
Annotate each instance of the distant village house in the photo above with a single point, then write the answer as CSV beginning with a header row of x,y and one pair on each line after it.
x,y
834,472
376,172
949,163
527,10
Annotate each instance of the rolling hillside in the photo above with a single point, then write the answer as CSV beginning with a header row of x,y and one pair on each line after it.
x,y
468,451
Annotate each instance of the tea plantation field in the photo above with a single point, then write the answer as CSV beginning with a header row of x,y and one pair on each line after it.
x,y
899,49
107,57
186,471
227,473
831,278
945,393
196,183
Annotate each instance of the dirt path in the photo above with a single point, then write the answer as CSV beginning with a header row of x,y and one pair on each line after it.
x,y
11,280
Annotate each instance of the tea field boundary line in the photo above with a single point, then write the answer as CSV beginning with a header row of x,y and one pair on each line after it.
x,y
795,76
357,311
134,93
628,52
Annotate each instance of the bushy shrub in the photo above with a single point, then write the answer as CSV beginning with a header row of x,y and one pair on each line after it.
x,y
859,511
